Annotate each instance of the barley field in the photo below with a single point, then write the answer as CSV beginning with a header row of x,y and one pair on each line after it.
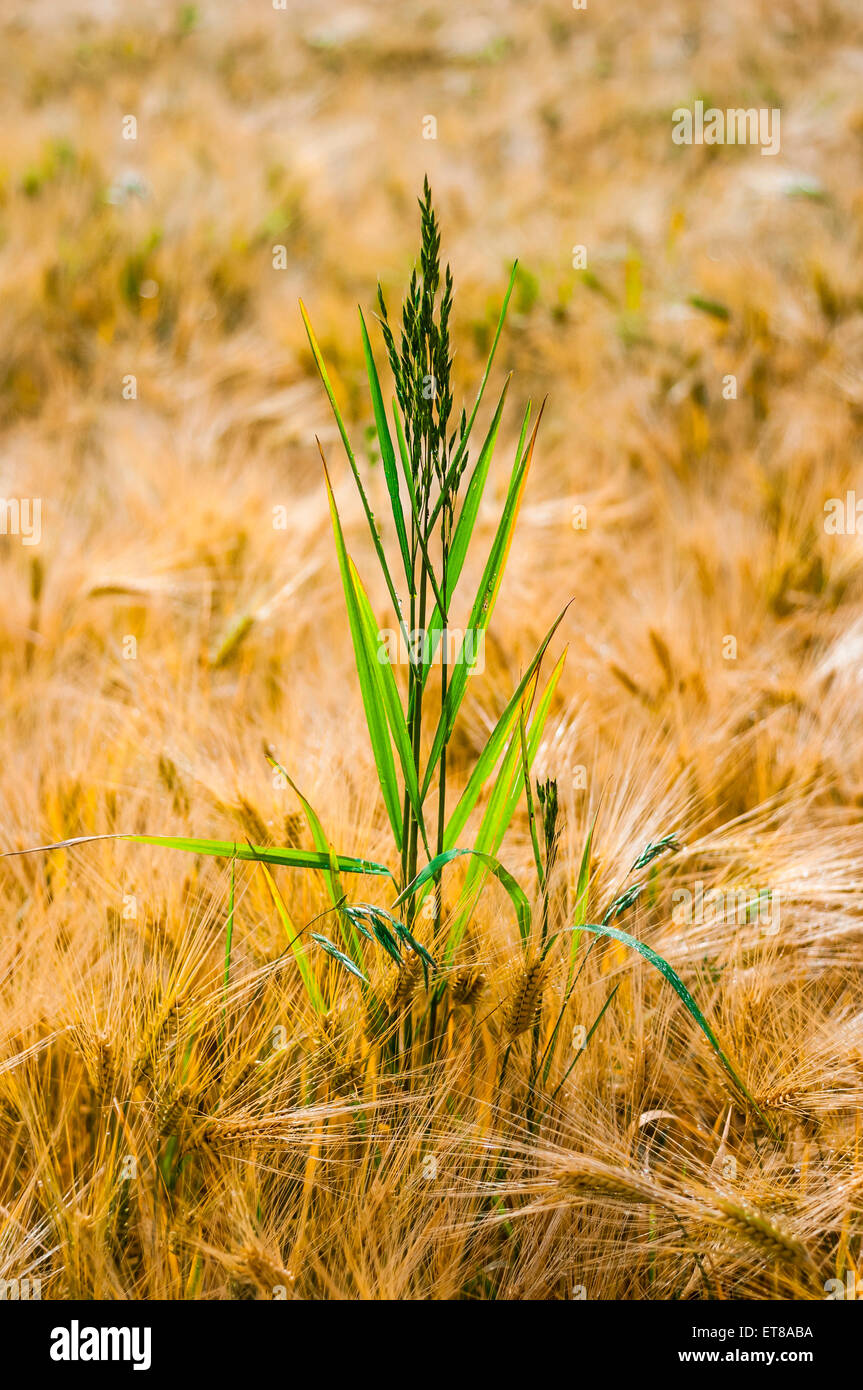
x,y
612,1049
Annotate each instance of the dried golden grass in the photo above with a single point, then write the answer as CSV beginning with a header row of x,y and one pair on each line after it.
x,y
301,1161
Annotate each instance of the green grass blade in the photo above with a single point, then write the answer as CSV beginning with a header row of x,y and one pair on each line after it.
x,y
387,453
389,696
523,435
373,526
483,605
228,849
495,744
537,728
523,698
501,807
307,975
260,854
229,929
473,496
516,894
366,660
322,844
464,526
531,814
225,849
332,880
668,973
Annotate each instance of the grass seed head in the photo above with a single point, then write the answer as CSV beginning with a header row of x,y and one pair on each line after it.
x,y
263,1270
467,987
758,1230
580,1178
525,999
407,980
172,1109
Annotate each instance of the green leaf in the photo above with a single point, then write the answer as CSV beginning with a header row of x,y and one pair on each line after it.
x,y
682,992
307,975
229,936
493,826
387,453
370,680
508,788
389,697
501,807
331,875
473,496
504,877
226,849
531,817
464,527
711,307
373,527
261,854
483,606
331,950
537,729
523,435
495,743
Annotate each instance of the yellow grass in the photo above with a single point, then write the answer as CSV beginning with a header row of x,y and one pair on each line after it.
x,y
139,1156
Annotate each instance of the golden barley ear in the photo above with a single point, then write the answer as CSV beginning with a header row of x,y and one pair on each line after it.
x,y
163,1033
173,1109
270,1129
407,981
105,1067
467,987
262,1270
581,1179
784,1099
97,1053
348,1076
525,1000
755,1228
